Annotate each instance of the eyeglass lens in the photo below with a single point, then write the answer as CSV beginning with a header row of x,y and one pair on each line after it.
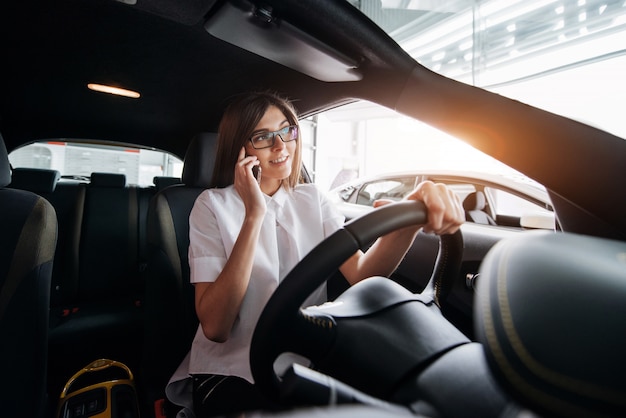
x,y
267,139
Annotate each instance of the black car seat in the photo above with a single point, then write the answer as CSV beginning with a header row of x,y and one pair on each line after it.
x,y
549,311
29,234
41,181
161,182
68,198
474,205
171,320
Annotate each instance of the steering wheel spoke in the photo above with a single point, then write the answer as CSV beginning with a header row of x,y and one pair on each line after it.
x,y
284,327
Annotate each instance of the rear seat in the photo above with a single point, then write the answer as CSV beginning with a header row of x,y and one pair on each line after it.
x,y
161,182
36,180
109,240
97,280
104,316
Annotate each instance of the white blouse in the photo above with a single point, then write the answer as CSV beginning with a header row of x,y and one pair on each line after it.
x,y
295,222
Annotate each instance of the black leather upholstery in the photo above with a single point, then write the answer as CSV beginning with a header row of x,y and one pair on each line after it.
x,y
161,182
474,205
550,314
29,233
5,166
96,311
107,180
110,216
171,321
200,160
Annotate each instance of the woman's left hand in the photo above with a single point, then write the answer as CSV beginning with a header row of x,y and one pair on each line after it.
x,y
445,216
445,212
247,186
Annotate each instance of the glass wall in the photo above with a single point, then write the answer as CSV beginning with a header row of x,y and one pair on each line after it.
x,y
567,57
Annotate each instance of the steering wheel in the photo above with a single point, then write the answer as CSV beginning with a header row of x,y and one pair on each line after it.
x,y
283,328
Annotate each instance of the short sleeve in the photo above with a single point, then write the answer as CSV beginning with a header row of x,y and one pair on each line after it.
x,y
207,255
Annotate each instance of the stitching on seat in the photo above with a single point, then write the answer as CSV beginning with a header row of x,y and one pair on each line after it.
x,y
511,336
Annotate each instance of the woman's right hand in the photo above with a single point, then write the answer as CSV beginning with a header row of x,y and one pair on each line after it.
x,y
247,186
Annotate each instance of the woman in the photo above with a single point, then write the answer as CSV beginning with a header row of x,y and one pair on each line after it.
x,y
248,231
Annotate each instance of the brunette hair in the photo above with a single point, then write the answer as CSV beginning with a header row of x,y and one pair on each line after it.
x,y
240,118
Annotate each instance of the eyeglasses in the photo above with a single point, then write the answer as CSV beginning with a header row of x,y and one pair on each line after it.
x,y
267,139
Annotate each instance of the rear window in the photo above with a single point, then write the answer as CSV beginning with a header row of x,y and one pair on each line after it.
x,y
76,160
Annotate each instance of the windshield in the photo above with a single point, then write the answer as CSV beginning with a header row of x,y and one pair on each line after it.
x,y
568,57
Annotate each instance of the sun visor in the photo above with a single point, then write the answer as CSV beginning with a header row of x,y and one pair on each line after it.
x,y
258,31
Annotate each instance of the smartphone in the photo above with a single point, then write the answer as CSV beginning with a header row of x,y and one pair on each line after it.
x,y
256,172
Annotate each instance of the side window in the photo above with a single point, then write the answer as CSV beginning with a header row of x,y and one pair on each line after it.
x,y
462,190
507,204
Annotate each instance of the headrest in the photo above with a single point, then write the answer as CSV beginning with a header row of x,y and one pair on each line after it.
x,y
5,168
108,180
549,311
474,201
36,180
200,160
161,182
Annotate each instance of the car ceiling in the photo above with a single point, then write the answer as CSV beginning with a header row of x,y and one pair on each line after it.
x,y
52,49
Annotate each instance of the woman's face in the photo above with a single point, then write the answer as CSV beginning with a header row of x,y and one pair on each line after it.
x,y
276,160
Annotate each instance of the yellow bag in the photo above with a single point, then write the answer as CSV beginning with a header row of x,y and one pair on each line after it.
x,y
102,389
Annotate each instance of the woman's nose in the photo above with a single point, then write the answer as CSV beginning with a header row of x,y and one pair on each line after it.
x,y
278,142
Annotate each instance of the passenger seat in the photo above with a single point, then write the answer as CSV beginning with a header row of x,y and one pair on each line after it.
x,y
474,205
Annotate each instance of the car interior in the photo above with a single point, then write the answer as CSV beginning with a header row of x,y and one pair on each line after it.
x,y
488,199
490,321
474,206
